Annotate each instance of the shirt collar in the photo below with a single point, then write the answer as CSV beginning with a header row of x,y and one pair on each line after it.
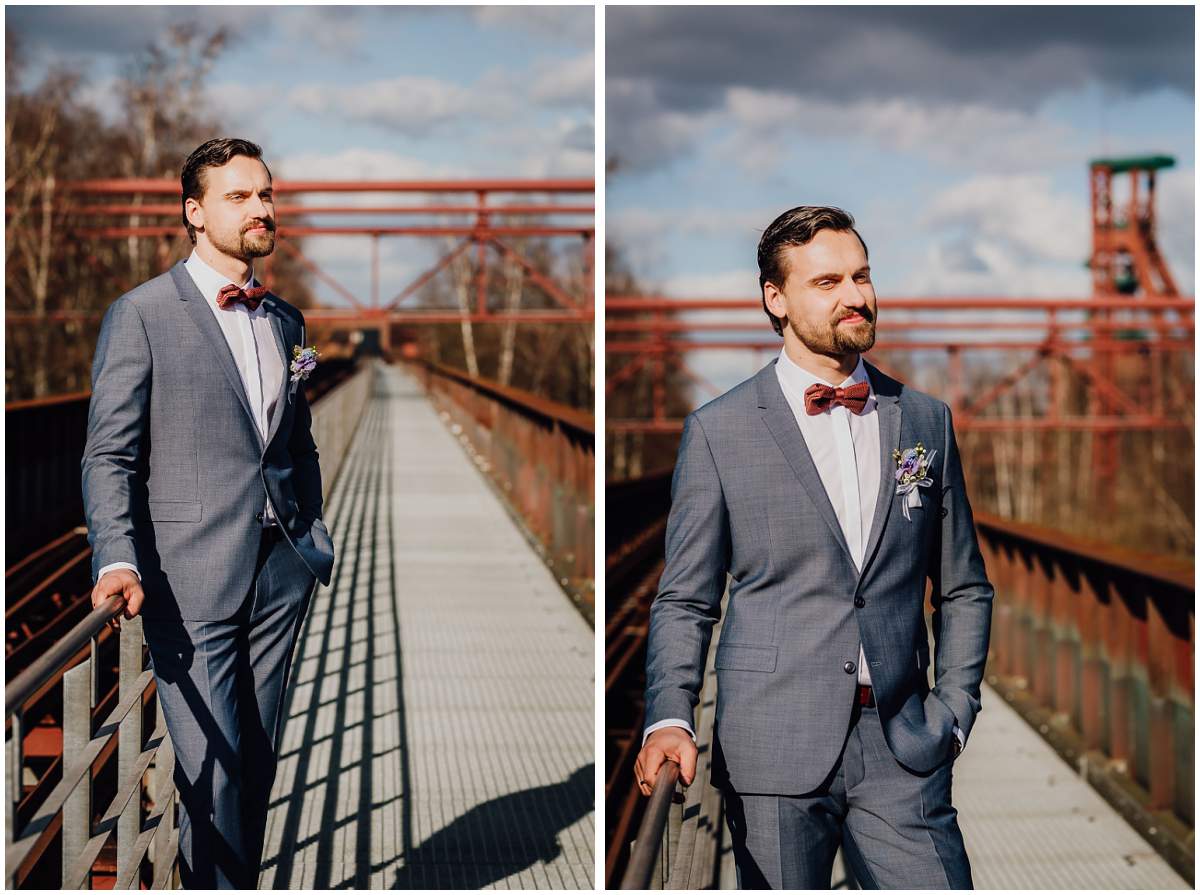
x,y
799,379
208,280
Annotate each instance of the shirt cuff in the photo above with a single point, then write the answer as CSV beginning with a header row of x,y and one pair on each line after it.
x,y
119,565
958,735
670,722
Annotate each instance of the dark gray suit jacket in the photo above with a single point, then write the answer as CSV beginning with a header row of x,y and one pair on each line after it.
x,y
175,471
747,500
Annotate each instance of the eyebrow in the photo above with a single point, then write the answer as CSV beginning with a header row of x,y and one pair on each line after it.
x,y
866,268
269,189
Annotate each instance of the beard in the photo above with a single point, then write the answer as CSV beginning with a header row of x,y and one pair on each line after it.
x,y
245,244
831,338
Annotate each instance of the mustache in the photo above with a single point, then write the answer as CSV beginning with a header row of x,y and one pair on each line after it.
x,y
268,224
864,313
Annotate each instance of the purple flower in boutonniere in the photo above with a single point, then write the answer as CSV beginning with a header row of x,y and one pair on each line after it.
x,y
912,472
304,361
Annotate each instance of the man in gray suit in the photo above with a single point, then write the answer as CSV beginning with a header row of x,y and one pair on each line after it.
x,y
203,499
828,492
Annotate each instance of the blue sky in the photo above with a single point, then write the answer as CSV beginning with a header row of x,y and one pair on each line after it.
x,y
339,93
958,138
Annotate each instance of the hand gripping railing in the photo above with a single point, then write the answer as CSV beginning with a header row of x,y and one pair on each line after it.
x,y
68,806
650,844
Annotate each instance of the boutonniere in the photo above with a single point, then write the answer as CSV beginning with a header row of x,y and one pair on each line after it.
x,y
304,361
912,472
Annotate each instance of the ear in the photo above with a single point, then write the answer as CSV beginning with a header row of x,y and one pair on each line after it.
x,y
774,299
195,214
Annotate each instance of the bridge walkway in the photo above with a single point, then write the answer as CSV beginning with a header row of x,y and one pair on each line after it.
x,y
440,725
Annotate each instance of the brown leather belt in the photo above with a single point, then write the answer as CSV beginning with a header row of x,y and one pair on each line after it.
x,y
866,696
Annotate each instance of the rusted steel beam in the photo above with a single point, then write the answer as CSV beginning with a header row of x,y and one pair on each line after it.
x,y
167,187
547,285
311,267
366,317
1183,304
965,424
283,209
373,230
442,263
665,346
676,325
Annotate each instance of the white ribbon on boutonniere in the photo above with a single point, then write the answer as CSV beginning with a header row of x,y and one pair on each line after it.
x,y
912,472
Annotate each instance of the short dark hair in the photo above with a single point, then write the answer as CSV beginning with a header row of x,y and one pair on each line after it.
x,y
212,154
795,227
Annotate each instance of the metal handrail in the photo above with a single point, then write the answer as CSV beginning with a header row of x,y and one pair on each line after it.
x,y
68,806
27,684
650,832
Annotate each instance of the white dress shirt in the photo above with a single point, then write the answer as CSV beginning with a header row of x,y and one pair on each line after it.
x,y
255,353
845,449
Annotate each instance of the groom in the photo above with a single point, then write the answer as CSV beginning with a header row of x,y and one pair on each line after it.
x,y
827,732
203,499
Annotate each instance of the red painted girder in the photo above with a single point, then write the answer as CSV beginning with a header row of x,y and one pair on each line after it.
x,y
663,346
172,188
173,210
675,325
1099,424
940,303
366,316
464,230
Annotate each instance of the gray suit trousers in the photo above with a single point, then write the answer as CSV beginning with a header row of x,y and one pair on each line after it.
x,y
897,826
222,685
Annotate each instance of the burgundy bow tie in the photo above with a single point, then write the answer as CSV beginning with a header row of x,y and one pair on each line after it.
x,y
230,295
819,397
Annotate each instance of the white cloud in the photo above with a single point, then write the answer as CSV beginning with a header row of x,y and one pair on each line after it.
x,y
356,163
569,82
241,106
631,104
726,284
1018,210
414,106
572,24
950,133
334,30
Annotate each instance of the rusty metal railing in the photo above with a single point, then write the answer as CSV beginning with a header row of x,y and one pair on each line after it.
x,y
67,809
541,455
335,419
56,810
1095,645
1092,644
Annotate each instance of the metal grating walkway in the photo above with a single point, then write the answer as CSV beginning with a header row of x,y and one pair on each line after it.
x,y
440,730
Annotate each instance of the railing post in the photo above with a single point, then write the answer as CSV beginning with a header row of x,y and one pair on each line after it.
x,y
129,743
79,697
15,760
164,802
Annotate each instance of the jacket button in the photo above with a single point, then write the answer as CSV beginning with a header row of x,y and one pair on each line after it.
x,y
258,517
860,602
848,668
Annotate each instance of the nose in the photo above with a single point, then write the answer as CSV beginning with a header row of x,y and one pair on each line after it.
x,y
857,297
259,208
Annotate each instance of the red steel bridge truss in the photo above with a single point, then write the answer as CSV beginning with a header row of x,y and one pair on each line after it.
x,y
484,224
1114,343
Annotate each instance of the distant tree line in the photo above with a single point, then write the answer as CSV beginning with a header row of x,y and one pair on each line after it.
x,y
53,136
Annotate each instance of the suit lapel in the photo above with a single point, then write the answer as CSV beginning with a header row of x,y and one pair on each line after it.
x,y
778,416
887,396
201,314
281,343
